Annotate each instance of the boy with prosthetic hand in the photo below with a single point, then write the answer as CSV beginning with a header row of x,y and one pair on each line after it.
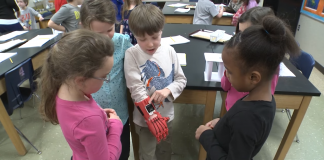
x,y
154,78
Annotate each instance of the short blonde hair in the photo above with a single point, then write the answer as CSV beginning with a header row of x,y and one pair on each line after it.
x,y
147,19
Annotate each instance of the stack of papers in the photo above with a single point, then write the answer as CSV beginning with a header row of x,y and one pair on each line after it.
x,y
177,5
182,10
182,59
11,35
285,72
205,34
174,40
4,56
10,44
38,41
202,34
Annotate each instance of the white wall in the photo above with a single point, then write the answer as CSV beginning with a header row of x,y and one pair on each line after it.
x,y
311,37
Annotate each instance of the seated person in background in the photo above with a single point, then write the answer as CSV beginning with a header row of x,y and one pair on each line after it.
x,y
205,12
233,6
27,15
247,4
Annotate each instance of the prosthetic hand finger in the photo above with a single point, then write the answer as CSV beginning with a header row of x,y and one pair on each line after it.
x,y
157,125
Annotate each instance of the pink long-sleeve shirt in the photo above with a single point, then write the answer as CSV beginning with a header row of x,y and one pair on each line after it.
x,y
86,128
233,95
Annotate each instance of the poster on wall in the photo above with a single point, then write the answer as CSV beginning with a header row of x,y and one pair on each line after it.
x,y
314,9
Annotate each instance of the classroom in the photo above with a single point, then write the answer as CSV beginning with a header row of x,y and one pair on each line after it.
x,y
91,79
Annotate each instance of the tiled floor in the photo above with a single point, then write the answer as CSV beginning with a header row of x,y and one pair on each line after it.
x,y
49,138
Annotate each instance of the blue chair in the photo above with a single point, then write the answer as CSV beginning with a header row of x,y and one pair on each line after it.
x,y
47,14
305,63
16,96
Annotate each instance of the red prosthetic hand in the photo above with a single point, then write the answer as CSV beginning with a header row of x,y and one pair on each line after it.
x,y
158,124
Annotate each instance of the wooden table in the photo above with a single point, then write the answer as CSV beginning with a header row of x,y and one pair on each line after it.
x,y
44,23
187,18
38,55
291,93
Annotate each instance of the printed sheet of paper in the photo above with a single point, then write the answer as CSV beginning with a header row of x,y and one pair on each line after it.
x,y
11,35
182,59
284,71
9,44
182,10
174,40
177,5
38,41
4,56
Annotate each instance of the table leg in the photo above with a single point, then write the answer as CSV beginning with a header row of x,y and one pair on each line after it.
x,y
223,109
11,131
292,128
209,112
135,139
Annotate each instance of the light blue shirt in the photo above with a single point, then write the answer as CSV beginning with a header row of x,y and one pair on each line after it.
x,y
113,94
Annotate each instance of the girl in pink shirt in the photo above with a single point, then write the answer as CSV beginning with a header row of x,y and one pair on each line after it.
x,y
251,17
76,67
247,5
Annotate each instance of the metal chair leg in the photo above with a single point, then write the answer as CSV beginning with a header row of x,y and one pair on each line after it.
x,y
289,117
21,134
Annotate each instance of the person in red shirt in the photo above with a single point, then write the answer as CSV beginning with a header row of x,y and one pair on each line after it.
x,y
58,4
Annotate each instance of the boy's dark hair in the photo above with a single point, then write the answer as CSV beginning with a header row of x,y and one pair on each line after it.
x,y
100,10
146,18
263,46
69,1
254,15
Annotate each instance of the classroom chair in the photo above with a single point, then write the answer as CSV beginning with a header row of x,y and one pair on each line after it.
x,y
47,14
305,63
16,96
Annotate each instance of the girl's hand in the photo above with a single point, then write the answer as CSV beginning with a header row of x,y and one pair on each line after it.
x,y
159,95
200,130
212,123
113,116
110,111
41,18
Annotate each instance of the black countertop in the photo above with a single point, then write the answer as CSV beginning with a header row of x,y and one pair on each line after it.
x,y
25,53
196,48
170,10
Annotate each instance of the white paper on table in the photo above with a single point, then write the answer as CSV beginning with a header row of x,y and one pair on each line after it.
x,y
284,71
182,59
182,10
209,75
11,35
4,56
9,44
38,41
227,14
174,40
177,5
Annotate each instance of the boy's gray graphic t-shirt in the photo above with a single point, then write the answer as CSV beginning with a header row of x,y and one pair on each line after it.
x,y
68,16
